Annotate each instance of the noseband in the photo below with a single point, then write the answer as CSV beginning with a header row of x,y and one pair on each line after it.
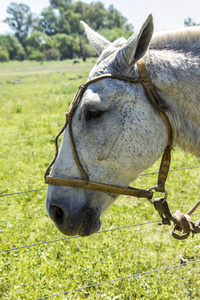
x,y
85,183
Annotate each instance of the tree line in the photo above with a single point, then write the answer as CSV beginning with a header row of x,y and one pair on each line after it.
x,y
56,33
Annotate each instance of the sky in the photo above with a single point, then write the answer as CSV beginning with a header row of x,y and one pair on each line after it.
x,y
166,13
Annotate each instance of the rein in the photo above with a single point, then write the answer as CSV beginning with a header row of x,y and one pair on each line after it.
x,y
160,203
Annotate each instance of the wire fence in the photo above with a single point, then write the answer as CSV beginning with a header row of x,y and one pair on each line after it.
x,y
23,192
144,174
73,237
109,281
119,279
113,229
100,232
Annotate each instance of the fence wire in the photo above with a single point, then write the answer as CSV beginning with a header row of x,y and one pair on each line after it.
x,y
16,193
144,174
118,279
62,239
103,231
77,236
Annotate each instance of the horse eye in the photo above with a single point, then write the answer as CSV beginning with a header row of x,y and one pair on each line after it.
x,y
93,114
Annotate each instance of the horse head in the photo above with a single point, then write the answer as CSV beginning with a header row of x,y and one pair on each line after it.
x,y
117,134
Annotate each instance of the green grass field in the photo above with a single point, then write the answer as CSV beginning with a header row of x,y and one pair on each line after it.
x,y
33,100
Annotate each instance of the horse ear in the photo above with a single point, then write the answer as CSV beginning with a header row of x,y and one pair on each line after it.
x,y
137,45
98,42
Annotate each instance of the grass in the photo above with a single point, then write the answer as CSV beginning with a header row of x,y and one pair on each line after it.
x,y
33,99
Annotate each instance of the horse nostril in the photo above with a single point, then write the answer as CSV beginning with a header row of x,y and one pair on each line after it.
x,y
56,214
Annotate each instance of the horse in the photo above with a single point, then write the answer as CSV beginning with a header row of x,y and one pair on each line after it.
x,y
117,132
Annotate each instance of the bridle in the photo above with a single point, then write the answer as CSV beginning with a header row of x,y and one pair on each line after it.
x,y
85,183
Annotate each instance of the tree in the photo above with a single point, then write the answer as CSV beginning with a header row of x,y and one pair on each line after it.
x,y
58,28
67,45
48,22
61,5
52,23
94,14
190,22
4,55
14,49
36,55
52,54
21,21
39,41
117,20
114,33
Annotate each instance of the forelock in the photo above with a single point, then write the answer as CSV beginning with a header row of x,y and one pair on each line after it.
x,y
112,48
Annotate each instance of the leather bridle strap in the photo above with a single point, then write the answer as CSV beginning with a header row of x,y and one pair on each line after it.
x,y
154,97
100,187
155,100
162,107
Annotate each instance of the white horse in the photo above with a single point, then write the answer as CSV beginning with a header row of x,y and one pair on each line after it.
x,y
117,132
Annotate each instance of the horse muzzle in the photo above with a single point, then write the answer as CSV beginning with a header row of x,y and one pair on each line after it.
x,y
83,221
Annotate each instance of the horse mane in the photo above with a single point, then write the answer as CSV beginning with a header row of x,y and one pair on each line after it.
x,y
185,39
176,38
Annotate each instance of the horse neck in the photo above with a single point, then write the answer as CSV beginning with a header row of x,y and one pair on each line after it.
x,y
176,78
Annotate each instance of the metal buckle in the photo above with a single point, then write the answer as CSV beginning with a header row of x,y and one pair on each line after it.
x,y
155,189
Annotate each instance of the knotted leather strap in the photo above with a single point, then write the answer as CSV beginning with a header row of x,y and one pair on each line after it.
x,y
181,222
